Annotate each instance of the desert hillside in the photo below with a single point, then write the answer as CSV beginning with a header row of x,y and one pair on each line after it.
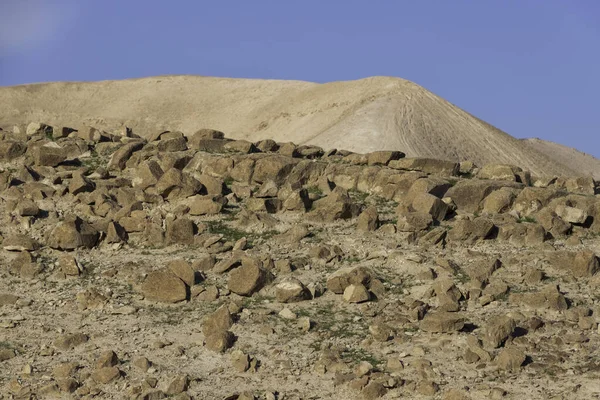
x,y
205,268
370,114
577,160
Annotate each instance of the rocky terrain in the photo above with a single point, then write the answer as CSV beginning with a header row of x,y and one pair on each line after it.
x,y
365,115
172,266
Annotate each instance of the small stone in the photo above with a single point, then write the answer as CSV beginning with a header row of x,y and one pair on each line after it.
x,y
141,363
240,361
427,388
363,368
220,341
374,390
286,313
107,359
219,321
178,384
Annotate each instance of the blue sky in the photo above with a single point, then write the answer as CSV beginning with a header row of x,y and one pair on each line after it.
x,y
531,68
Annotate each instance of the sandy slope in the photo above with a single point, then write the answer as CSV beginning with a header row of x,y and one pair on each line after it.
x,y
580,161
364,115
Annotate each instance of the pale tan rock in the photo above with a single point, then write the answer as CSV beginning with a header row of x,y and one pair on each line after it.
x,y
368,220
356,294
291,290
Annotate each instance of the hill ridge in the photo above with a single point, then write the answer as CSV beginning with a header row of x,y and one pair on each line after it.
x,y
375,113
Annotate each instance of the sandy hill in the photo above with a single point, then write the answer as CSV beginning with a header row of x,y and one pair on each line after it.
x,y
364,115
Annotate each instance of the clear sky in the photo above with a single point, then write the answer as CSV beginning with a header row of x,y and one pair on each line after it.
x,y
531,68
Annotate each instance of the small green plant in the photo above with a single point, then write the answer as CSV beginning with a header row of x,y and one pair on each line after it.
x,y
356,356
228,181
357,195
6,345
526,219
314,190
94,161
229,233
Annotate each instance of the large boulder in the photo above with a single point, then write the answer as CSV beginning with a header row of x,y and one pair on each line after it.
x,y
48,155
73,233
471,230
344,277
468,194
502,172
442,322
337,205
120,157
581,264
428,165
164,286
430,204
275,168
248,278
11,149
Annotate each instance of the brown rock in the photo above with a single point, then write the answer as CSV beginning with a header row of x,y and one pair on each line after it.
x,y
19,242
442,322
430,204
383,157
119,158
498,330
201,205
105,375
80,184
73,233
368,220
107,359
164,286
219,321
471,231
468,194
180,231
247,279
182,269
374,390
11,149
220,341
7,354
70,341
510,359
178,384
50,155
344,277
